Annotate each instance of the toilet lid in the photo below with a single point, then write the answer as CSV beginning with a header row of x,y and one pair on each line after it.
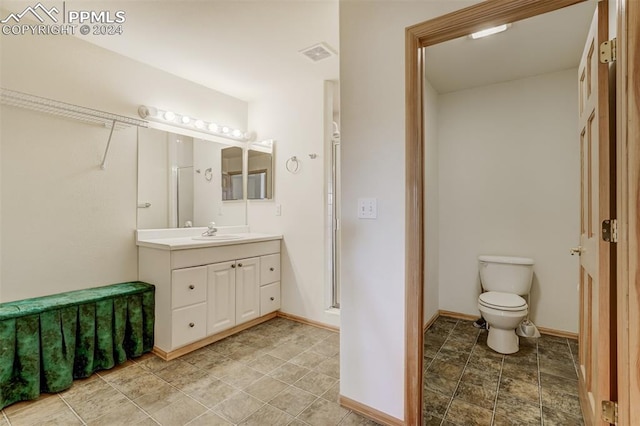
x,y
502,301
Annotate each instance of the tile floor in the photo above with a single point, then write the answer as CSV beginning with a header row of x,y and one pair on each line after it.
x,y
466,383
277,373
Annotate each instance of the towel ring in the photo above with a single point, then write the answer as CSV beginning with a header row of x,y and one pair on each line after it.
x,y
292,164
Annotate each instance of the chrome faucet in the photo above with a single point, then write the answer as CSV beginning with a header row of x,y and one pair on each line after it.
x,y
211,230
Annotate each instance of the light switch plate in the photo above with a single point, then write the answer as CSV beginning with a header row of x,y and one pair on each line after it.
x,y
367,208
278,209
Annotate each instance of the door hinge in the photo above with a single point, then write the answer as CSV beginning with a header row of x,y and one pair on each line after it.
x,y
608,51
610,230
610,412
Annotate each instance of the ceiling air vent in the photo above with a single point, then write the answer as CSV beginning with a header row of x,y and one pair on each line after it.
x,y
318,52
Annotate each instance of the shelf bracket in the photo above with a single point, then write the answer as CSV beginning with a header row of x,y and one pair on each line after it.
x,y
103,165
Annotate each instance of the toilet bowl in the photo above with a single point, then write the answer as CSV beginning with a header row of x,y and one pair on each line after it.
x,y
503,313
505,279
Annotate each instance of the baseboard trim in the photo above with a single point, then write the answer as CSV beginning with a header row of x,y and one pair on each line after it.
x,y
458,315
431,321
168,356
370,413
542,330
308,321
558,333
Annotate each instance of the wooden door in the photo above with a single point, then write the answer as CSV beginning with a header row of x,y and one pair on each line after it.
x,y
247,289
221,297
596,308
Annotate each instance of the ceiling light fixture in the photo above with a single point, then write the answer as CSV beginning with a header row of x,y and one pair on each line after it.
x,y
490,31
188,122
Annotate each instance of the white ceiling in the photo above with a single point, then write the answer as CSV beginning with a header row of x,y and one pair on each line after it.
x,y
542,44
249,49
245,49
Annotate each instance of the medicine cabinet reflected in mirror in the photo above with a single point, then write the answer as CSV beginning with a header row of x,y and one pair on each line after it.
x,y
260,171
185,181
231,166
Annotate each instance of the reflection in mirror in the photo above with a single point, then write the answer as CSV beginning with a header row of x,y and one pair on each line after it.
x,y
231,163
179,182
260,172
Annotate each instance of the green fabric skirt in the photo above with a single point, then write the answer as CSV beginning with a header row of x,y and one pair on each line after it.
x,y
47,342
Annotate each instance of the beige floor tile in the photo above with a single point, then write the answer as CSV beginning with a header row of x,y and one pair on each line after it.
x,y
85,389
323,413
43,400
287,351
330,367
268,415
51,413
315,383
125,413
180,412
154,363
241,376
137,383
180,373
308,359
37,409
326,348
265,388
98,405
289,373
354,419
158,398
209,419
333,394
293,400
238,407
266,363
210,391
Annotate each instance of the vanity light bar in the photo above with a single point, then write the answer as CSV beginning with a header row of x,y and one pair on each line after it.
x,y
185,121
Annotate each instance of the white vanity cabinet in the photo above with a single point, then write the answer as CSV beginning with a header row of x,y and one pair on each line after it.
x,y
206,293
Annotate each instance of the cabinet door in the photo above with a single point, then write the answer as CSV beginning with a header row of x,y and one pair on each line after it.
x,y
221,297
247,289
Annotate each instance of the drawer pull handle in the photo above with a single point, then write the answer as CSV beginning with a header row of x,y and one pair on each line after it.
x,y
191,287
272,298
272,269
239,265
233,266
191,325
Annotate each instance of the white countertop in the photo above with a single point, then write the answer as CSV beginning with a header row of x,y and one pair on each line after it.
x,y
172,240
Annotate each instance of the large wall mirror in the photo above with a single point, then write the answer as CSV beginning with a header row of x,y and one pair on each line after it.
x,y
184,181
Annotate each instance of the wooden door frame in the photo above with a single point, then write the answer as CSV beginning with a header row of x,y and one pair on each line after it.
x,y
460,23
628,209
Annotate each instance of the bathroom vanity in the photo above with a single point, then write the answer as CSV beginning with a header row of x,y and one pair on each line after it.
x,y
208,288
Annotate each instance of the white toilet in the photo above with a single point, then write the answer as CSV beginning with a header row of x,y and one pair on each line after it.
x,y
504,279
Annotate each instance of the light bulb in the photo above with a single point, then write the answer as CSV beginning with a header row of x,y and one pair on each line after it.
x,y
199,124
169,116
225,129
186,119
236,133
213,127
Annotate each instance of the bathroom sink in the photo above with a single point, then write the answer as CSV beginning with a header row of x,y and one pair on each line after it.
x,y
221,237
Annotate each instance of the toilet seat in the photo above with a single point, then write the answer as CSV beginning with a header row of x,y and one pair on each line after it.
x,y
502,301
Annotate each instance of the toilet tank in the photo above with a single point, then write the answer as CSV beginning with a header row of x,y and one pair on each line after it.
x,y
506,274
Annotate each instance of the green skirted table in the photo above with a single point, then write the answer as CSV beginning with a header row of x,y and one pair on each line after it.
x,y
48,341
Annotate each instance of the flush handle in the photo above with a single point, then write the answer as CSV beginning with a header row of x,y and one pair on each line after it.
x,y
576,250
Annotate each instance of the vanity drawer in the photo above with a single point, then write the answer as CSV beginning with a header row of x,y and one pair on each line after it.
x,y
269,269
188,324
269,298
188,286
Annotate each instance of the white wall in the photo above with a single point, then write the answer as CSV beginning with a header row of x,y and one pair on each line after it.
x,y
66,224
372,50
431,204
295,119
509,185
